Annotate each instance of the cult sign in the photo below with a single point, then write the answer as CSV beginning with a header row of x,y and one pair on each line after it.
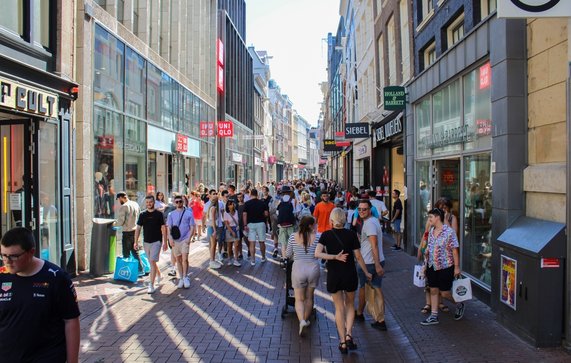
x,y
394,98
225,129
27,99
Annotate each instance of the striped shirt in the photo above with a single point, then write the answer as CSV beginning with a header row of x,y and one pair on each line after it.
x,y
298,250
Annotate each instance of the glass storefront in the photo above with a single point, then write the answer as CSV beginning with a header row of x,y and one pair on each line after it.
x,y
453,160
130,95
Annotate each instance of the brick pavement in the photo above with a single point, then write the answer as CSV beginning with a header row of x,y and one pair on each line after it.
x,y
233,315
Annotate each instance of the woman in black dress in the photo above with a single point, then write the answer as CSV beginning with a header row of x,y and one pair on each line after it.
x,y
343,248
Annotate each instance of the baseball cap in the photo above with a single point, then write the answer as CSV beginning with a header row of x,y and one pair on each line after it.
x,y
120,194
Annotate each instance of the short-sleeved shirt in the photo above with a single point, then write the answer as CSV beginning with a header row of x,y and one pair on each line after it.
x,y
32,314
298,252
151,223
232,219
336,240
440,248
322,212
255,209
183,224
397,206
371,227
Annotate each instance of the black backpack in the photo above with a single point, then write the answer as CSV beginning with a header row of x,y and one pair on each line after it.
x,y
285,213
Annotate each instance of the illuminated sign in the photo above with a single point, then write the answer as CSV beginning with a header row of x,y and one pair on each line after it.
x,y
181,143
206,129
485,76
225,129
330,145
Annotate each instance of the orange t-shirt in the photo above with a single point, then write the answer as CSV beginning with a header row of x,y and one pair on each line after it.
x,y
321,213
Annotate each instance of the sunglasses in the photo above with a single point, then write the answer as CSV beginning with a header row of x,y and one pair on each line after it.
x,y
362,209
178,201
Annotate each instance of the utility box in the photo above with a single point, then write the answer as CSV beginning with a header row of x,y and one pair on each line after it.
x,y
103,245
528,291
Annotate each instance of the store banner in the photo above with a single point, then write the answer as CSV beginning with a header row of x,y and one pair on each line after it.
x,y
357,130
206,129
181,143
330,145
225,129
394,98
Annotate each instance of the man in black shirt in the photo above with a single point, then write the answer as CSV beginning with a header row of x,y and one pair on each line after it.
x,y
39,315
152,221
396,219
254,217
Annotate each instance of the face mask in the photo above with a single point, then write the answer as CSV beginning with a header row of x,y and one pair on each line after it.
x,y
285,198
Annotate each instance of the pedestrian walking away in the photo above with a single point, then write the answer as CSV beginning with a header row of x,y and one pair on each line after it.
x,y
285,217
39,314
180,223
305,270
151,221
343,248
254,217
127,216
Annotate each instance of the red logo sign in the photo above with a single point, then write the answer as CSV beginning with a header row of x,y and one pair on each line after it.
x,y
340,134
105,141
220,81
225,129
220,52
483,127
342,143
448,177
485,76
181,143
206,129
550,263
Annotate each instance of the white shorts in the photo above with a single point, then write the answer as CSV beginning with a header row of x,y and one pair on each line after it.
x,y
153,250
257,232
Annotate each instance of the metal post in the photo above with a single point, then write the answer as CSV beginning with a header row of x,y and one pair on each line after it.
x,y
567,319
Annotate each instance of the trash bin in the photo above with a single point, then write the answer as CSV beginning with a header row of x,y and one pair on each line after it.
x,y
103,244
528,296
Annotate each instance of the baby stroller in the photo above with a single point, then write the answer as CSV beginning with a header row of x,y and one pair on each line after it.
x,y
289,293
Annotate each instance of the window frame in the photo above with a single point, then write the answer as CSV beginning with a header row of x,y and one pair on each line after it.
x,y
451,29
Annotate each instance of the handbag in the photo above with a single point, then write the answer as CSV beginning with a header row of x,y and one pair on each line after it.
x,y
126,269
145,261
462,289
418,278
175,231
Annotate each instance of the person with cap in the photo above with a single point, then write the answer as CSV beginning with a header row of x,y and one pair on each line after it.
x,y
127,216
285,211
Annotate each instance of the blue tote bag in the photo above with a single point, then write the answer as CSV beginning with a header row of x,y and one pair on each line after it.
x,y
126,269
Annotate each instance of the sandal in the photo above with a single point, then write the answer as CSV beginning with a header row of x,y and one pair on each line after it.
x,y
350,343
343,348
426,309
443,308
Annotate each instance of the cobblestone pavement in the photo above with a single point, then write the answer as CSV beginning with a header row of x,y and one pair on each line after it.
x,y
234,315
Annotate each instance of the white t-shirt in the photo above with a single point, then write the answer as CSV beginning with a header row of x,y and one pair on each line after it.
x,y
371,227
380,205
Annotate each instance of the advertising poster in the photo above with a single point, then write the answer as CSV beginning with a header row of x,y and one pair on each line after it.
x,y
508,281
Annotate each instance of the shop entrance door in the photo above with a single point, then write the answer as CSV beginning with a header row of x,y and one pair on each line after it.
x,y
447,178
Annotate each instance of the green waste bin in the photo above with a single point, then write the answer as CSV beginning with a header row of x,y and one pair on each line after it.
x,y
103,244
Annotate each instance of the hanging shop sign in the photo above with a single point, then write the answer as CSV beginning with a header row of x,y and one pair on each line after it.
x,y
225,129
330,145
357,130
17,96
339,134
394,98
220,66
236,157
388,130
533,8
342,143
181,143
206,129
272,159
258,161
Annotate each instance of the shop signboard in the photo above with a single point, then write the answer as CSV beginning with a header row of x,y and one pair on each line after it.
x,y
533,8
508,281
330,145
225,129
17,96
394,98
387,130
181,143
357,130
343,143
236,157
206,129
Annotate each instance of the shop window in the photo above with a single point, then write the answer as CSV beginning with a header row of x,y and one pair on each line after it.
x,y
447,134
424,127
423,197
109,70
154,94
167,101
477,248
478,108
135,84
135,158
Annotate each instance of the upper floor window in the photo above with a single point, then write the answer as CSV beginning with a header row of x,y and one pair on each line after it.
x,y
487,7
27,20
426,9
455,31
428,55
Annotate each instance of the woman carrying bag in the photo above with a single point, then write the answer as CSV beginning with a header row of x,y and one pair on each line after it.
x,y
343,248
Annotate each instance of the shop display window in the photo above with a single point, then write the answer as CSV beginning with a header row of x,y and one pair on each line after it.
x,y
135,84
424,127
478,108
108,81
424,203
446,119
135,159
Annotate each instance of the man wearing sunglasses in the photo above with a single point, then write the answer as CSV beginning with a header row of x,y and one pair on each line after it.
x,y
184,220
40,316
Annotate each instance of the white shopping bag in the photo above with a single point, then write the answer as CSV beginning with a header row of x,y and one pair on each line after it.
x,y
418,278
462,290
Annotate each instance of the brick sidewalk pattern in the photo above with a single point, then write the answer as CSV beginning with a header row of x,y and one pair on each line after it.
x,y
234,315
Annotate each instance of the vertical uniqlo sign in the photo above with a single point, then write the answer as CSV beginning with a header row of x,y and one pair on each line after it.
x,y
206,128
485,76
220,66
225,129
181,143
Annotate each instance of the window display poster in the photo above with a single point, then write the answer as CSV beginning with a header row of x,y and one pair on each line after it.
x,y
508,281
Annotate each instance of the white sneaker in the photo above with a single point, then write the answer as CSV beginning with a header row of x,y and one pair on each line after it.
x,y
151,289
264,259
186,282
214,265
237,263
158,279
180,283
302,324
229,263
253,262
220,257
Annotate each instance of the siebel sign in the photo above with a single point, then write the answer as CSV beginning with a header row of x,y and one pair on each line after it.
x,y
357,130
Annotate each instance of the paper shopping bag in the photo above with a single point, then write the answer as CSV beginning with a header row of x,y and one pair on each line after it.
x,y
372,307
126,269
462,289
418,278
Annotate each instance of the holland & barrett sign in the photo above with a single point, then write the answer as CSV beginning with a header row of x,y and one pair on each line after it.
x,y
394,98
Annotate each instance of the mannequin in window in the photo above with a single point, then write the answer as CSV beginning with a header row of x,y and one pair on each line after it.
x,y
100,195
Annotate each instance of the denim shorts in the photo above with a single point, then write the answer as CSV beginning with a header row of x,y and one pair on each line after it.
x,y
377,280
257,232
396,225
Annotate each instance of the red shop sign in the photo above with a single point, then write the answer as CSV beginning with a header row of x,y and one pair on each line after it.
x,y
448,177
547,262
225,129
485,76
105,141
206,129
181,143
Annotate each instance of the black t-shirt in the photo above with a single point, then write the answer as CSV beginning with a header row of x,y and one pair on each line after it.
x,y
397,206
151,223
255,209
32,313
337,240
233,198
